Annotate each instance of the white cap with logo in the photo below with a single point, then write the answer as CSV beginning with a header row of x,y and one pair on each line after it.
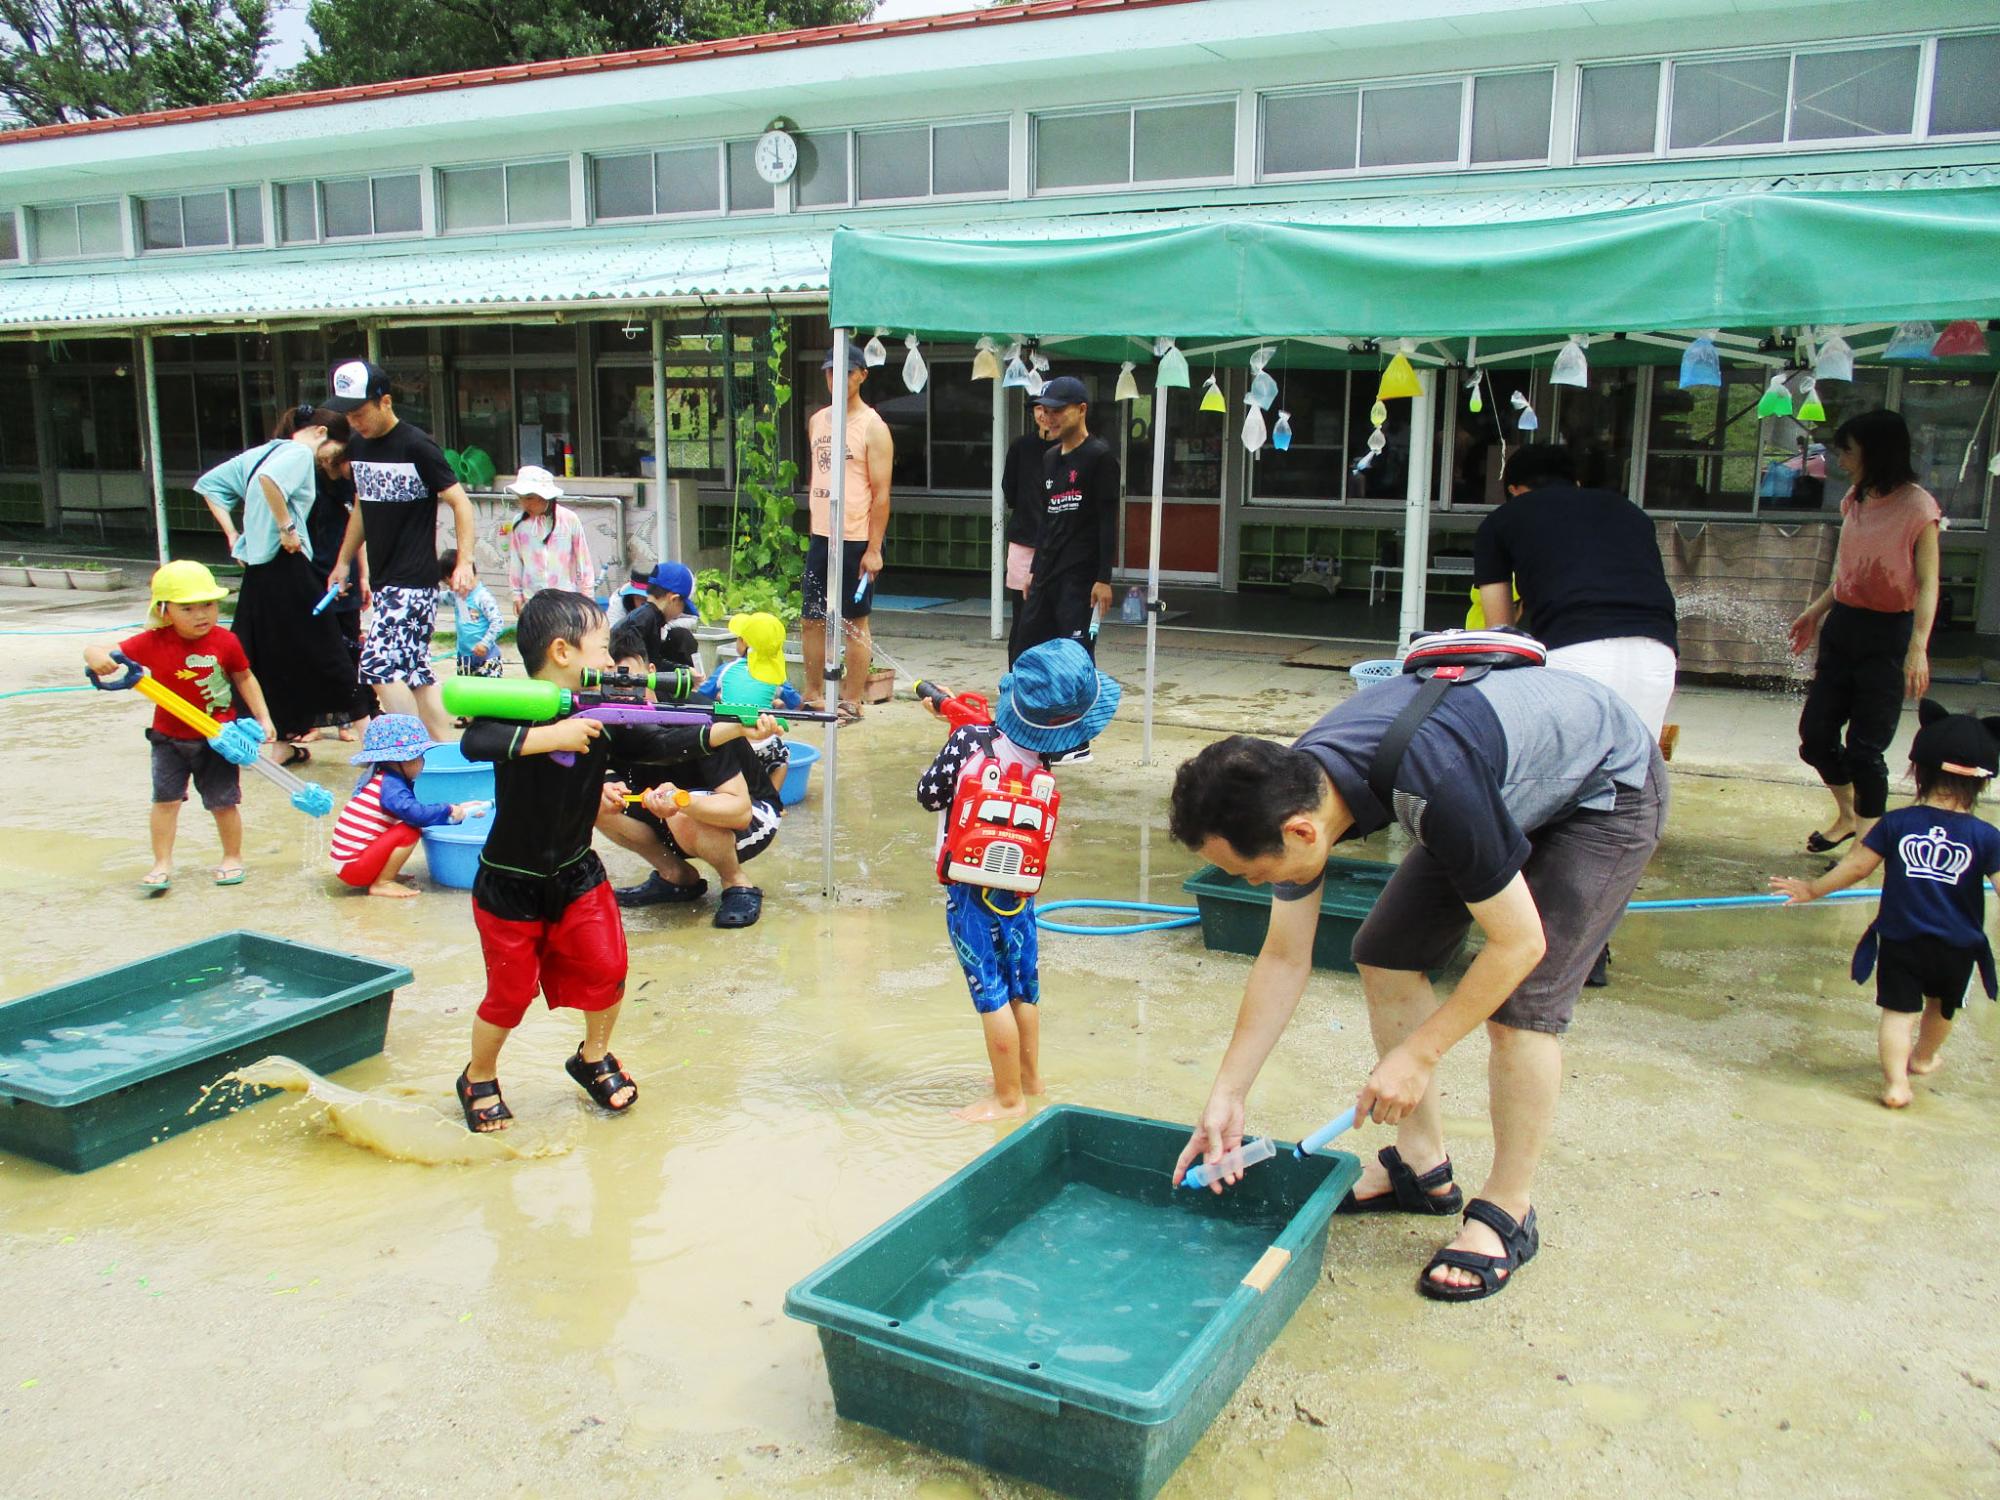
x,y
355,383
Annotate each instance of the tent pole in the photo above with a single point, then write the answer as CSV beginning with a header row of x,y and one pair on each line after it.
x,y
374,335
1417,508
155,472
999,560
836,642
1153,563
664,539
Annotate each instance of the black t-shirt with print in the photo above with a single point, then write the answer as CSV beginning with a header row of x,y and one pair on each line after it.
x,y
397,479
1079,533
1022,477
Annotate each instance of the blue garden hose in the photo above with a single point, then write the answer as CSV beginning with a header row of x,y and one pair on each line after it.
x,y
1169,917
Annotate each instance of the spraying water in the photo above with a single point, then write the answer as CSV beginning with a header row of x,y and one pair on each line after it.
x,y
1757,627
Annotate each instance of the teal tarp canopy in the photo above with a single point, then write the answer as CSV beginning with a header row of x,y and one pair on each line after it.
x,y
1760,260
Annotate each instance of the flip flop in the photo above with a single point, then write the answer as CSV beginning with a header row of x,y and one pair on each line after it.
x,y
1819,843
156,885
849,711
226,876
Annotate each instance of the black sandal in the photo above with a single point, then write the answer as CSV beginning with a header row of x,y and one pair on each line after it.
x,y
1519,1241
602,1079
296,755
1408,1193
482,1120
1819,843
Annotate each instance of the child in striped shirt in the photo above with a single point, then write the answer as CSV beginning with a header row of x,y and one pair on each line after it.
x,y
377,829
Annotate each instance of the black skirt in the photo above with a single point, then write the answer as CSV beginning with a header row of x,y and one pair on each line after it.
x,y
301,662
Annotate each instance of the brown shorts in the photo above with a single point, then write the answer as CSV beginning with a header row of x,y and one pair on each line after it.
x,y
1581,872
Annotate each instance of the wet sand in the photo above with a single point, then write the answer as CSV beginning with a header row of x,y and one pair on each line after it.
x,y
1753,1278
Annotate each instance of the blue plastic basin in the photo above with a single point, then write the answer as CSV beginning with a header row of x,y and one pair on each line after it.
x,y
452,849
1365,672
798,774
449,777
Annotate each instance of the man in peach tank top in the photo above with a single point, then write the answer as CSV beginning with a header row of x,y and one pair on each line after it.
x,y
871,454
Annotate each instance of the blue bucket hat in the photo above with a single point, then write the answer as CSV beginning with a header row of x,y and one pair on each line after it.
x,y
1055,698
395,737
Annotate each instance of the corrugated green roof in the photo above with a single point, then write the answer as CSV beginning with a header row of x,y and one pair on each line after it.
x,y
589,269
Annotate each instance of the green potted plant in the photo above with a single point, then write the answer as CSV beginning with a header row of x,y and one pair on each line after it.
x,y
97,577
767,558
14,575
48,578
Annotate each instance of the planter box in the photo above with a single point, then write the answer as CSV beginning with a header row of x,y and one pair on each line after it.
x,y
98,1068
13,577
881,685
97,580
1058,1311
49,578
1235,914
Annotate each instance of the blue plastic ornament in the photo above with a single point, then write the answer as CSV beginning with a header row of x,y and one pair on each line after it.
x,y
1701,364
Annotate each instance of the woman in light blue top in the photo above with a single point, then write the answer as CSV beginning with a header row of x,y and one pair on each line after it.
x,y
311,672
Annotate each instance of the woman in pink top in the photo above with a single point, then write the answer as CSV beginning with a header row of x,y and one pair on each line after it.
x,y
1873,624
546,545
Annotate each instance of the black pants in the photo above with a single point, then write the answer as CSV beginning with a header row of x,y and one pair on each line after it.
x,y
1053,610
1857,683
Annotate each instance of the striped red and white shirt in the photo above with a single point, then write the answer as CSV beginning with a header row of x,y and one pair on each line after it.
x,y
379,804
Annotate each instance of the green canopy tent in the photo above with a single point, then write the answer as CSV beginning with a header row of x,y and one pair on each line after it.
x,y
1762,262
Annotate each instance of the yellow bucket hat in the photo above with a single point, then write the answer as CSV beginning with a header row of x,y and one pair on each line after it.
x,y
182,582
763,638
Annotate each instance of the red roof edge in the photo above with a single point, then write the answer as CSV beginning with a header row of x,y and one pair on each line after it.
x,y
820,36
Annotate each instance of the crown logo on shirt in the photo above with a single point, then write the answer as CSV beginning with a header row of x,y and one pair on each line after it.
x,y
1932,856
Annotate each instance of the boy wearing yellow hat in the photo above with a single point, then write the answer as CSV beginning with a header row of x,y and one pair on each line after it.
x,y
187,652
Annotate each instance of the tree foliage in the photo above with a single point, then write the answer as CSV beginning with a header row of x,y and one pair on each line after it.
x,y
69,60
373,41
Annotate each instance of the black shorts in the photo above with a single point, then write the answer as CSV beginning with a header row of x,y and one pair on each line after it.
x,y
177,762
813,585
750,842
1913,970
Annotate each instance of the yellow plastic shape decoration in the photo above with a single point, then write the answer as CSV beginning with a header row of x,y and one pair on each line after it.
x,y
1399,380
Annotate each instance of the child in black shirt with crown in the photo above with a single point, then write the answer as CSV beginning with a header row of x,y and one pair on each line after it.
x,y
1931,930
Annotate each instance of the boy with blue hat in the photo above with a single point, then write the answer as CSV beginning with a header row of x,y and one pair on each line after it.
x,y
375,832
995,797
655,629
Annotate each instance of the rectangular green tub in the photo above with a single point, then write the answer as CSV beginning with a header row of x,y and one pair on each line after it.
x,y
1057,1310
1235,913
100,1067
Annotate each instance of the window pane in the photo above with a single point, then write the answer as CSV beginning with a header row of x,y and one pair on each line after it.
x,y
822,176
1595,423
10,242
1963,96
1947,413
1187,140
1510,116
1740,102
907,413
894,163
117,417
621,186
961,429
469,198
485,404
248,205
218,417
624,419
97,229
1868,91
1315,466
687,181
1194,450
1701,446
538,193
748,193
55,232
1802,469
697,422
1618,110
296,219
160,223
1311,132
178,448
399,205
969,158
1409,126
1083,150
547,416
205,219
347,207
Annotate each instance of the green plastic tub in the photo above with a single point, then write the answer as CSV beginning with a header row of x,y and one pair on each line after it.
x,y
1059,1311
98,1068
1234,913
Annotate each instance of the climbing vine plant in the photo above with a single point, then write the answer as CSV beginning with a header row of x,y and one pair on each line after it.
x,y
766,554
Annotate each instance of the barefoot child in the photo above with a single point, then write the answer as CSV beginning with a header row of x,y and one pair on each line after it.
x,y
1931,930
186,651
475,617
375,832
547,921
1054,700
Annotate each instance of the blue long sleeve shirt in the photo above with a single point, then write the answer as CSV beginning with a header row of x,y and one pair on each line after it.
x,y
476,618
399,801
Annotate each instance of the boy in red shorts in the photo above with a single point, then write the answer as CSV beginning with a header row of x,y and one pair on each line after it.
x,y
547,920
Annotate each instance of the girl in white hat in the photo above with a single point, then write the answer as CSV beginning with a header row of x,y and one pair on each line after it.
x,y
546,545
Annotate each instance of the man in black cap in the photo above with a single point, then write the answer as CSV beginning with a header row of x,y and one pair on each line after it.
x,y
1078,539
400,478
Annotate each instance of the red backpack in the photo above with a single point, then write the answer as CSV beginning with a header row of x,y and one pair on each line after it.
x,y
998,830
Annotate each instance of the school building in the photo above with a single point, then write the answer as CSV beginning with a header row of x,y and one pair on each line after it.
x,y
579,263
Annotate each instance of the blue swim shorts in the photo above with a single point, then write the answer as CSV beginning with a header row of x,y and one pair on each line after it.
x,y
998,953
